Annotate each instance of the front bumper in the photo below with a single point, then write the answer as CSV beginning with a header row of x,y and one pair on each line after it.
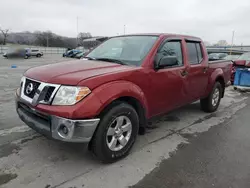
x,y
55,127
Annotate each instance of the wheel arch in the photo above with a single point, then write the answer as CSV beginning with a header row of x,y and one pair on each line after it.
x,y
136,104
221,80
216,76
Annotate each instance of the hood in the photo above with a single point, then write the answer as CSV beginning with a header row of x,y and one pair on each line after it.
x,y
72,72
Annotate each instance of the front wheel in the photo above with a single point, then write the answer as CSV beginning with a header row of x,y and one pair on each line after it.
x,y
212,102
116,133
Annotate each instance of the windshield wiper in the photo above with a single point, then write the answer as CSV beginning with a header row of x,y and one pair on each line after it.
x,y
89,58
111,60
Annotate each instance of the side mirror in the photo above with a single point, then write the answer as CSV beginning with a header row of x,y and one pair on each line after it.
x,y
167,61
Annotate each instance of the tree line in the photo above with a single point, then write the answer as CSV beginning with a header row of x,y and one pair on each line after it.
x,y
43,38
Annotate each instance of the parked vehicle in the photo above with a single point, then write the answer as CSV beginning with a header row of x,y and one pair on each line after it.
x,y
231,57
36,53
17,53
107,99
80,55
71,53
242,62
216,56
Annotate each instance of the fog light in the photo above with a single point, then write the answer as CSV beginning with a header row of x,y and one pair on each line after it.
x,y
65,130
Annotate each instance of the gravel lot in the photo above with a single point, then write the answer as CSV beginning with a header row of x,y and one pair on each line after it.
x,y
29,160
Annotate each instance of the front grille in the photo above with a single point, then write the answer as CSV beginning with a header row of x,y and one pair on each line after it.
x,y
35,92
30,88
35,114
48,94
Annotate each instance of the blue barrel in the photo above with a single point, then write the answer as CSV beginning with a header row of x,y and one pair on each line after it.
x,y
13,66
242,77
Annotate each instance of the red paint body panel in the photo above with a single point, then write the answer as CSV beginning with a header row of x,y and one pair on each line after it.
x,y
158,91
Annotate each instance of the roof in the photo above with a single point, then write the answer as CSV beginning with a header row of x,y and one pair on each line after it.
x,y
163,34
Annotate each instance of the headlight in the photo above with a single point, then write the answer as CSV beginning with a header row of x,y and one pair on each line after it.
x,y
21,85
68,95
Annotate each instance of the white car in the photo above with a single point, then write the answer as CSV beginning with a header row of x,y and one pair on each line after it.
x,y
36,53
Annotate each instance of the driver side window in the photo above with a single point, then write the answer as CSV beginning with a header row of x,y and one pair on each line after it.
x,y
171,48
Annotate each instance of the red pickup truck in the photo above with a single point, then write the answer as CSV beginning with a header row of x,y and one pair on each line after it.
x,y
107,98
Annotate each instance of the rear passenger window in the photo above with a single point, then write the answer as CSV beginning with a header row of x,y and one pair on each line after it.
x,y
194,53
200,55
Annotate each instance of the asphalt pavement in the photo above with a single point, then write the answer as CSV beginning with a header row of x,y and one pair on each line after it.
x,y
29,160
217,158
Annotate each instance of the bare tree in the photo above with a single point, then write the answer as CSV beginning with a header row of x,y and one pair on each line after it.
x,y
5,35
1,39
44,38
222,43
82,36
49,39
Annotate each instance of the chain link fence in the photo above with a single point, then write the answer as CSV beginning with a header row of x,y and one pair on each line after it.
x,y
45,50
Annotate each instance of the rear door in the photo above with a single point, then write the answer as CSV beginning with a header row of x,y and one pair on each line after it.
x,y
168,83
197,70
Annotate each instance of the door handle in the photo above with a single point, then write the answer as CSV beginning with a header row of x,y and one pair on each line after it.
x,y
184,73
205,69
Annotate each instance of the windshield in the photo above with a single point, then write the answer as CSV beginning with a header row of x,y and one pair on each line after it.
x,y
130,50
245,56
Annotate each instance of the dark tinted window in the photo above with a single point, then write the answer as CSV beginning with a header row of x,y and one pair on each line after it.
x,y
200,55
34,50
194,52
172,48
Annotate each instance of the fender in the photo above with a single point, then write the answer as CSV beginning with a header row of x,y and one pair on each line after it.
x,y
111,91
101,97
214,76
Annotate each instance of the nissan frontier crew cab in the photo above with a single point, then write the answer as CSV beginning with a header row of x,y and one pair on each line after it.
x,y
106,99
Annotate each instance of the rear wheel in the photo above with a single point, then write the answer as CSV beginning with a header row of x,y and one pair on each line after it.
x,y
116,133
212,102
38,55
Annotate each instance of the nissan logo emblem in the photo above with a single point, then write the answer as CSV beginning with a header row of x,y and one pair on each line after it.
x,y
29,88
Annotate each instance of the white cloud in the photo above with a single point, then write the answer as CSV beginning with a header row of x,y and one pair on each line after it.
x,y
211,20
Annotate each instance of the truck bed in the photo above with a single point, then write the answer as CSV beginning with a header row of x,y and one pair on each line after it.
x,y
219,61
224,65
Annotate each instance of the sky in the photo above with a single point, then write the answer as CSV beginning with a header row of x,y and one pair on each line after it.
x,y
211,20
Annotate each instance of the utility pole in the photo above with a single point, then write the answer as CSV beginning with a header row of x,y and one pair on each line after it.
x,y
77,31
47,40
232,43
124,29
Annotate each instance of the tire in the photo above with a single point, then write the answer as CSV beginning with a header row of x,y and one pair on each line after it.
x,y
38,55
102,146
211,103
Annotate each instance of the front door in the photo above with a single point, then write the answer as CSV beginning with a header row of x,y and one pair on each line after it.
x,y
168,83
